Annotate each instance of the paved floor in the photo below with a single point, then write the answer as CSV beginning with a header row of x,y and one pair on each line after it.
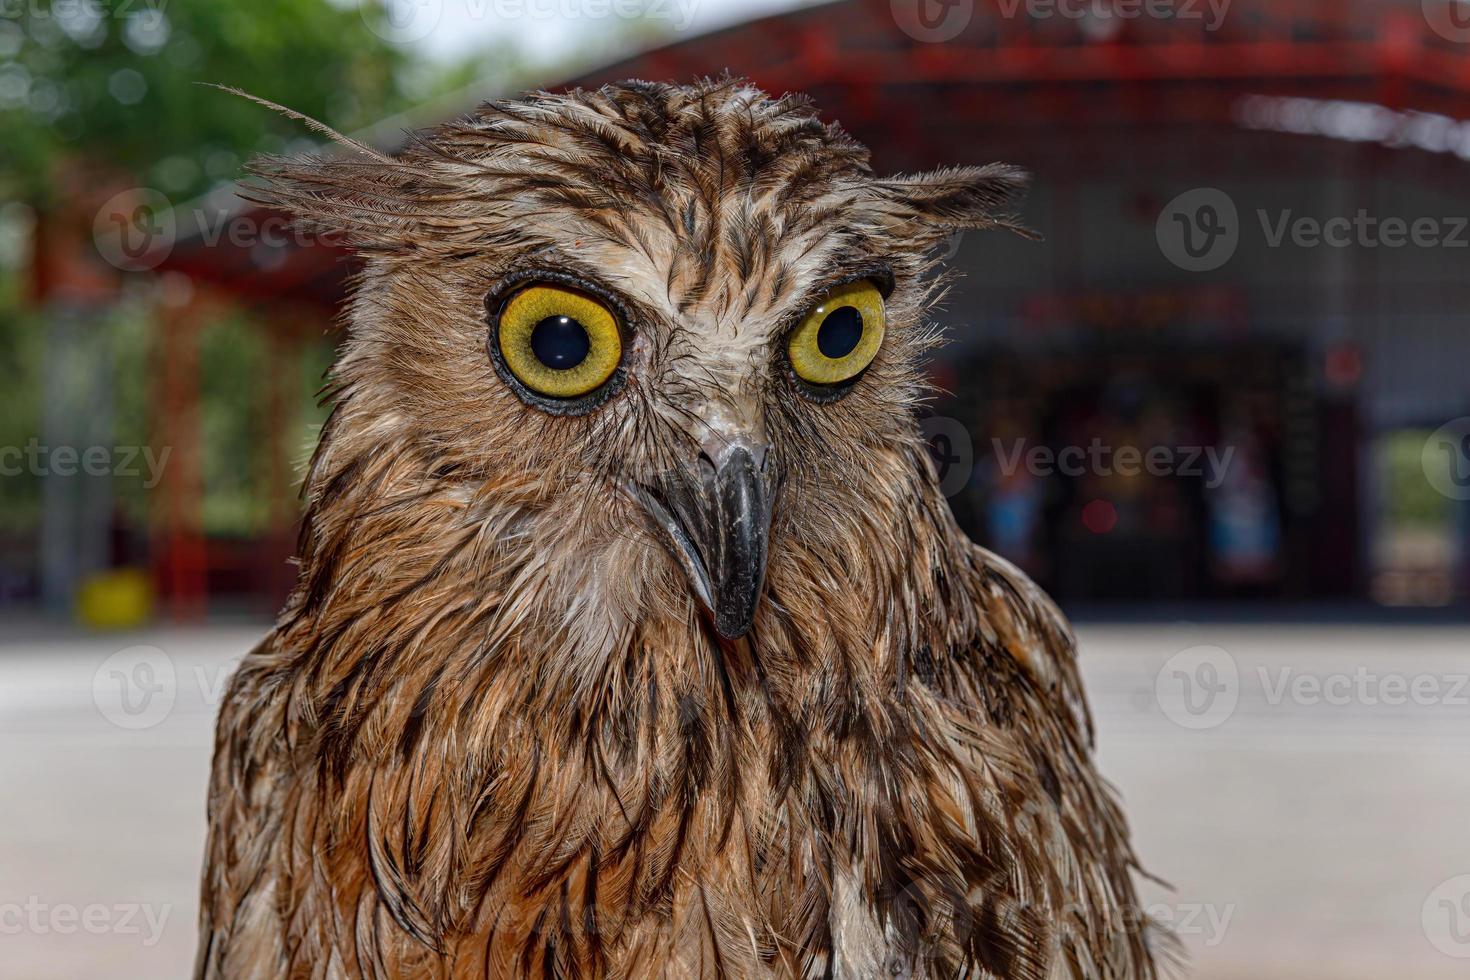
x,y
1305,789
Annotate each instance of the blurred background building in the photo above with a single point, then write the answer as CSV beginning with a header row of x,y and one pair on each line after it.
x,y
1223,389
1289,390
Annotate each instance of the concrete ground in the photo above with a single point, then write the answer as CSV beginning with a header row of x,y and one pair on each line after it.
x,y
1305,789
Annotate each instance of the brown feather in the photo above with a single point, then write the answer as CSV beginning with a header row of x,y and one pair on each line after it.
x,y
494,734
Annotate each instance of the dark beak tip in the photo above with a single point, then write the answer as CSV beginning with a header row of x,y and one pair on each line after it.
x,y
732,626
718,524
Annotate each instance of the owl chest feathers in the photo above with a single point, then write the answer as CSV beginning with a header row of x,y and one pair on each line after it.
x,y
713,809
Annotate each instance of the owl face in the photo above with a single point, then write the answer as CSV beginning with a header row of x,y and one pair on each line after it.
x,y
706,408
692,312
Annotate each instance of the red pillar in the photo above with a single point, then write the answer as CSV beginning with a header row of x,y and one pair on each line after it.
x,y
282,450
181,555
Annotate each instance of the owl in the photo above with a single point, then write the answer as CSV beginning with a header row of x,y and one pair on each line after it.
x,y
633,636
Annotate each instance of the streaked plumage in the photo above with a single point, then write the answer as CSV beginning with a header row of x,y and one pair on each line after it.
x,y
495,733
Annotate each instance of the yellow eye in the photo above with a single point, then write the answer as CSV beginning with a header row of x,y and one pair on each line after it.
x,y
840,336
559,342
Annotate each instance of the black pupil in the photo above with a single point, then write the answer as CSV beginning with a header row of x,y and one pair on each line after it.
x,y
560,342
840,332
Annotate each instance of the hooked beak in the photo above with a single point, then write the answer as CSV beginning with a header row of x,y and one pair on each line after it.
x,y
716,516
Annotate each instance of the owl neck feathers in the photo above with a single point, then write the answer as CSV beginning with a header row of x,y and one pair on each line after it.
x,y
499,722
415,571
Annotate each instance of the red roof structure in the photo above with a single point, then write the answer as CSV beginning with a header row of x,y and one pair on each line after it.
x,y
1069,87
924,82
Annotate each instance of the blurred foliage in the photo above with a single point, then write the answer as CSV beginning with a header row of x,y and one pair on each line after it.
x,y
1410,501
235,439
116,83
119,92
130,349
233,361
115,80
120,337
21,361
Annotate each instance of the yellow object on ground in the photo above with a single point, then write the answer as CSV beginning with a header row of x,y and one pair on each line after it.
x,y
118,599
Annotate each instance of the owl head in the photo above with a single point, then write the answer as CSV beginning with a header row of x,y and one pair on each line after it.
x,y
677,330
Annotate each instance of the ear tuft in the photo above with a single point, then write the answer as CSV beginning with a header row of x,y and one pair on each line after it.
x,y
929,206
363,204
315,125
363,198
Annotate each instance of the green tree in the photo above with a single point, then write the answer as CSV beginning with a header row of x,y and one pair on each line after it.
x,y
116,81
